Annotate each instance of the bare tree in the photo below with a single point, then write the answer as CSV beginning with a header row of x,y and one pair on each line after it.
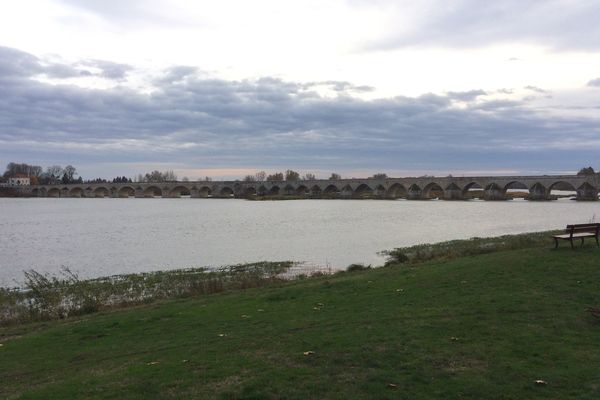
x,y
54,172
260,176
169,176
69,172
278,176
249,178
309,177
380,175
335,177
14,169
291,175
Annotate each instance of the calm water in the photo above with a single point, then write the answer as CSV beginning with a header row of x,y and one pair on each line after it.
x,y
99,237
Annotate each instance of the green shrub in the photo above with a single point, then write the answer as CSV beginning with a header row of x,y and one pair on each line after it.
x,y
357,267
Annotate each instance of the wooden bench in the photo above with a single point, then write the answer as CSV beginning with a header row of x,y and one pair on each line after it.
x,y
578,231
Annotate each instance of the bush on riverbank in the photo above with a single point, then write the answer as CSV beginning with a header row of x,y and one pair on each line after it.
x,y
46,297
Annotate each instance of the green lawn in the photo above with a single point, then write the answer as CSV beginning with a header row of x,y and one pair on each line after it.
x,y
479,327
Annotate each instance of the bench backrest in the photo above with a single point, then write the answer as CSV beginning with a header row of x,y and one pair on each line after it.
x,y
577,228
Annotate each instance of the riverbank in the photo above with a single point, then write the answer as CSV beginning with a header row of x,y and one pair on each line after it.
x,y
476,326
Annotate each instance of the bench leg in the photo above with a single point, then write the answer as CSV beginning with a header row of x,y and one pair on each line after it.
x,y
597,244
572,247
581,242
555,243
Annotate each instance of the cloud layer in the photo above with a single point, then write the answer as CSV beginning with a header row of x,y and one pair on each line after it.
x,y
187,119
556,24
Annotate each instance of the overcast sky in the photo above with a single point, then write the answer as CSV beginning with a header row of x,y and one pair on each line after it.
x,y
226,88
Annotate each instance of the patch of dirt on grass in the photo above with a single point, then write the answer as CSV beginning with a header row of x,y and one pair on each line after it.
x,y
462,365
275,358
230,384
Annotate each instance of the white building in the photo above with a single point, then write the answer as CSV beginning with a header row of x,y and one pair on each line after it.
x,y
19,181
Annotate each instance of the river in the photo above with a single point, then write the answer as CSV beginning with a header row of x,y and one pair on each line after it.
x,y
100,237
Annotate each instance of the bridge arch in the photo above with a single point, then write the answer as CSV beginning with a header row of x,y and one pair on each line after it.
x,y
363,191
179,191
396,191
331,191
560,189
432,191
100,192
302,190
473,190
76,192
250,191
127,191
516,189
226,192
204,191
153,191
379,191
274,191
289,190
54,192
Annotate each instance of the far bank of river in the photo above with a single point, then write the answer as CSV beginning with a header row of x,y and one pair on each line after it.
x,y
100,237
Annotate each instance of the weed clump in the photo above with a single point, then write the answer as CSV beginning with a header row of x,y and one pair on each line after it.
x,y
357,267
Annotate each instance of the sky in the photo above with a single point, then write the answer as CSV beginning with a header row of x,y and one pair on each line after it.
x,y
228,88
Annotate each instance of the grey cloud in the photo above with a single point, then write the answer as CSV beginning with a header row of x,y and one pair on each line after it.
x,y
201,122
536,89
340,86
176,74
594,82
466,96
109,70
17,63
554,24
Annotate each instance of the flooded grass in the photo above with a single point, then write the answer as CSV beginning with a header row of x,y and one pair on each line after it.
x,y
462,248
46,297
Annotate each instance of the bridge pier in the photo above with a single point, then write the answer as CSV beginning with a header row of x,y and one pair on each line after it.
x,y
414,194
346,193
538,193
494,193
586,192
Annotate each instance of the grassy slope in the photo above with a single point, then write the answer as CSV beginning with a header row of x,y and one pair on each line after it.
x,y
476,327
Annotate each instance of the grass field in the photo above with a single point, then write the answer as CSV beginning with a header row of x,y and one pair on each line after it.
x,y
478,327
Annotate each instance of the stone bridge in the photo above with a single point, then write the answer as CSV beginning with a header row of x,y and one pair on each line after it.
x,y
422,188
